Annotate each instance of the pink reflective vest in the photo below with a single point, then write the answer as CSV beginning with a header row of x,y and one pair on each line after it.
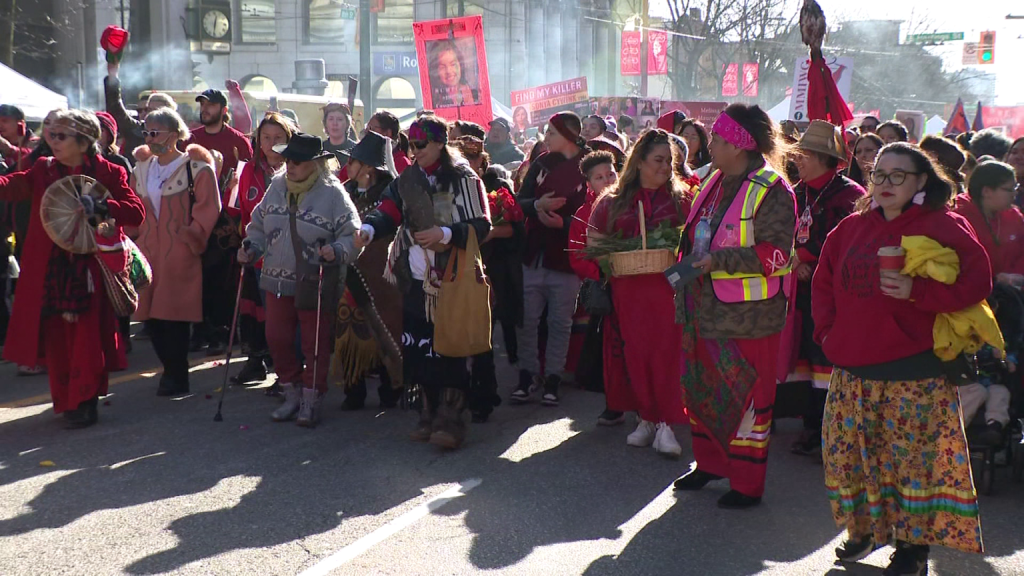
x,y
736,230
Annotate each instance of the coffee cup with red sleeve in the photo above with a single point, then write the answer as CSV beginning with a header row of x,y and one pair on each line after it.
x,y
891,258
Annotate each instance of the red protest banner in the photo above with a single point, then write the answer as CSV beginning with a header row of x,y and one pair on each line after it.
x,y
731,81
706,112
657,52
751,71
630,59
534,106
453,68
1010,118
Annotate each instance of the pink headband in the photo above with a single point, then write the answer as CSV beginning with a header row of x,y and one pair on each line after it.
x,y
731,131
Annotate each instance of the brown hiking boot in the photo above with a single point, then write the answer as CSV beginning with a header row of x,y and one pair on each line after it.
x,y
450,429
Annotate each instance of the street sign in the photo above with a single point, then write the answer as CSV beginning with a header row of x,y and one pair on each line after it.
x,y
970,57
937,37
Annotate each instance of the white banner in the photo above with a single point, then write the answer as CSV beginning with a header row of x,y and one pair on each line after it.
x,y
842,73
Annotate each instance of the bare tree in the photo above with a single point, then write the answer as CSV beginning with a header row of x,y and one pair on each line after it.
x,y
710,34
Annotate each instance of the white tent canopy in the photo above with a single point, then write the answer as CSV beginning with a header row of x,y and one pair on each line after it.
x,y
781,110
35,100
935,125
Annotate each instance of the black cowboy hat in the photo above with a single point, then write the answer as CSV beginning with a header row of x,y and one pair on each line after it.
x,y
302,148
371,150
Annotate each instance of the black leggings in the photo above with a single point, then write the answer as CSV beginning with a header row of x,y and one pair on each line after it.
x,y
170,341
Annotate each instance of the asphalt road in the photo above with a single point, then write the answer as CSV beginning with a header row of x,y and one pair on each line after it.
x,y
159,487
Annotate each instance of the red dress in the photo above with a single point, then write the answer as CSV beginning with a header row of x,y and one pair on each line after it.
x,y
79,355
642,344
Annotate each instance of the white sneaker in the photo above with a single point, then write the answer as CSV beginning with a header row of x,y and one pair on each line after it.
x,y
643,435
665,441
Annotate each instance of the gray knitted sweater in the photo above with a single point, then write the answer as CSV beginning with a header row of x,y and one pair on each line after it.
x,y
325,212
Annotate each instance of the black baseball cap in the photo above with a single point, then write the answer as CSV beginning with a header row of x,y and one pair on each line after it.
x,y
213,95
12,111
501,122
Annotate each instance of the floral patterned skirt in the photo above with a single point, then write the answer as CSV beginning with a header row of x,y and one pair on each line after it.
x,y
896,462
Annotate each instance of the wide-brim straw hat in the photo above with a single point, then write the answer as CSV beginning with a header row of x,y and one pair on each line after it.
x,y
824,138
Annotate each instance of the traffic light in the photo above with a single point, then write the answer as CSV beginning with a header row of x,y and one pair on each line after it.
x,y
987,48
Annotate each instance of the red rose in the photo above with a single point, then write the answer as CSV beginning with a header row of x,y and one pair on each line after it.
x,y
114,39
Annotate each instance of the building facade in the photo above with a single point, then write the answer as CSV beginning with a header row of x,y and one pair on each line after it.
x,y
186,44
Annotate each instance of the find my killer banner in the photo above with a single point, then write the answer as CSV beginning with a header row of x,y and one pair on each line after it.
x,y
453,68
534,106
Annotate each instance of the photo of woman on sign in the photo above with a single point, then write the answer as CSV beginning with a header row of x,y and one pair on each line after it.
x,y
452,67
520,119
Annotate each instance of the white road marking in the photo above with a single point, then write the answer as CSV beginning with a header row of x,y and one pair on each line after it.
x,y
355,549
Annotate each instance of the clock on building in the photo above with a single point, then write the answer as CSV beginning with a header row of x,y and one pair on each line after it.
x,y
216,23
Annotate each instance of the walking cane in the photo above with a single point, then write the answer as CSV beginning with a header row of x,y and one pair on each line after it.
x,y
319,305
231,339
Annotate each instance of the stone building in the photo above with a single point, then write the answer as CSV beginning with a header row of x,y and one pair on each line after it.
x,y
182,44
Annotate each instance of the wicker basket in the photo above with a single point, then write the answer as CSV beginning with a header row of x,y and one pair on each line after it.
x,y
641,261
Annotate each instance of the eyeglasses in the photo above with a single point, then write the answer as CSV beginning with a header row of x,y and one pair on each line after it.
x,y
1011,188
60,136
152,133
896,177
418,144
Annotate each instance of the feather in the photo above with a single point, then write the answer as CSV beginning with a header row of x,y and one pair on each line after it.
x,y
812,25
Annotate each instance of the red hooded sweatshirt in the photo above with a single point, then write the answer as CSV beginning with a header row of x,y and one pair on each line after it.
x,y
855,324
1002,237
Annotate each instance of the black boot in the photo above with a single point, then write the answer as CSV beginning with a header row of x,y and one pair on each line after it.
x,y
694,480
170,386
82,417
733,500
253,372
908,560
355,397
450,428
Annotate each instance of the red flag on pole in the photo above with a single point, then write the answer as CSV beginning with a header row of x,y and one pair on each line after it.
x,y
979,122
824,102
957,120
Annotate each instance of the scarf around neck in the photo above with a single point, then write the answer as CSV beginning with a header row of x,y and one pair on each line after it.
x,y
298,189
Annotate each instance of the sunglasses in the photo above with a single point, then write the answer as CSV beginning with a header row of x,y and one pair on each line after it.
x,y
896,177
60,136
152,133
295,162
418,144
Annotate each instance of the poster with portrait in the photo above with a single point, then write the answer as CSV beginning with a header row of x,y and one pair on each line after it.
x,y
647,117
453,68
914,120
534,106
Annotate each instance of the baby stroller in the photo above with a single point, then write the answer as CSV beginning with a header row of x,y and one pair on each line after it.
x,y
987,453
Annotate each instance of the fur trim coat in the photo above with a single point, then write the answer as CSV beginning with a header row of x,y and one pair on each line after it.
x,y
174,241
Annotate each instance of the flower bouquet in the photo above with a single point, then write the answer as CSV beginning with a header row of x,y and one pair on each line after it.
x,y
504,208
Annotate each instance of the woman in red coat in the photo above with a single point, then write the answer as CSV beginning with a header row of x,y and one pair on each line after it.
x,y
71,323
896,461
644,304
273,130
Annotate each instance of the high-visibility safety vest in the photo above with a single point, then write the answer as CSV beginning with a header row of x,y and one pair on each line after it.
x,y
736,230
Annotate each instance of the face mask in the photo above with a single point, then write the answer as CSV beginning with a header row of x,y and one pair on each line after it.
x,y
159,149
